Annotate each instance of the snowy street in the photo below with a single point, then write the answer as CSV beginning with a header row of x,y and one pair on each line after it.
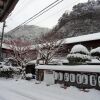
x,y
28,90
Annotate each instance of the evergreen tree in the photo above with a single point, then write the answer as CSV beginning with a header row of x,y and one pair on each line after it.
x,y
78,55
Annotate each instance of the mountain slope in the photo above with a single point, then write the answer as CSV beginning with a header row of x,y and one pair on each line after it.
x,y
27,32
83,19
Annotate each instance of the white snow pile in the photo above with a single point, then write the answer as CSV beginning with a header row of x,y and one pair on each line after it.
x,y
64,60
5,68
9,68
29,75
31,62
59,61
94,61
79,48
95,50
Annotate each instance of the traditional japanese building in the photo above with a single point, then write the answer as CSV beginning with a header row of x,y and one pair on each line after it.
x,y
90,41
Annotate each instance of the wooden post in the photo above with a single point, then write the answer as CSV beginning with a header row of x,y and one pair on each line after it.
x,y
1,53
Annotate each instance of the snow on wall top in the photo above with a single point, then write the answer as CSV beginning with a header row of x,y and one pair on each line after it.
x,y
89,37
82,68
94,61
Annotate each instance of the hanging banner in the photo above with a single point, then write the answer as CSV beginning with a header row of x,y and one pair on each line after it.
x,y
72,77
66,77
85,79
55,75
93,80
99,81
79,79
60,76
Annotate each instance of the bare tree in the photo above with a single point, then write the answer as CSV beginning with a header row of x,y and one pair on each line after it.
x,y
47,47
21,50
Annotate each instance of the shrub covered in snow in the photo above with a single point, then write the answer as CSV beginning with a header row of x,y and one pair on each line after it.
x,y
78,55
79,49
95,52
28,76
8,71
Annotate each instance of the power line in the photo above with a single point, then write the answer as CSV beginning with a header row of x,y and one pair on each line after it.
x,y
39,13
24,6
42,13
51,15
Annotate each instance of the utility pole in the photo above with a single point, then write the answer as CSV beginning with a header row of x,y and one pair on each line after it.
x,y
1,53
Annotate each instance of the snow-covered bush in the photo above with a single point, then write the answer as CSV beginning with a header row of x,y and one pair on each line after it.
x,y
8,71
78,55
80,49
28,76
95,52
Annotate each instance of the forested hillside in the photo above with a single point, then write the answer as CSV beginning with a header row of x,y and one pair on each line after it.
x,y
83,19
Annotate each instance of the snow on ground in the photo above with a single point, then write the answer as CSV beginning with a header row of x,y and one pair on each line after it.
x,y
28,90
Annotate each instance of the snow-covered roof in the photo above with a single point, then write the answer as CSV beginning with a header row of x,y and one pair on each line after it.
x,y
89,37
83,68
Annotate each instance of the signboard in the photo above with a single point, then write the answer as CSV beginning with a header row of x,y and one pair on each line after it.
x,y
72,77
66,77
92,80
79,79
85,79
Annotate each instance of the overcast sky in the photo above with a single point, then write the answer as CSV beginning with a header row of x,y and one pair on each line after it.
x,y
27,8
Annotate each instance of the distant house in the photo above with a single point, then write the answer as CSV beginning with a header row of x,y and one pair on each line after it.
x,y
6,51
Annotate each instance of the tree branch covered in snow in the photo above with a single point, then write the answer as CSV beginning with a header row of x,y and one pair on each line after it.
x,y
47,48
21,50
